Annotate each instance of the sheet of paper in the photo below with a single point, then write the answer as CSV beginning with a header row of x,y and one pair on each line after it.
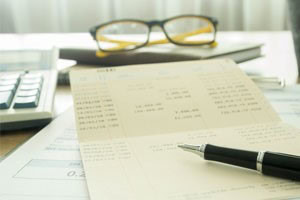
x,y
131,119
168,97
286,103
48,166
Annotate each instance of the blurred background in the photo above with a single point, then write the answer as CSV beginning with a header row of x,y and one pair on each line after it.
x,y
39,16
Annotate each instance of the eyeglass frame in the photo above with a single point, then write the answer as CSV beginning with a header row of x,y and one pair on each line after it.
x,y
150,24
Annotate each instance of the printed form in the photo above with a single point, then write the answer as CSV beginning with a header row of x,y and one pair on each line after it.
x,y
130,120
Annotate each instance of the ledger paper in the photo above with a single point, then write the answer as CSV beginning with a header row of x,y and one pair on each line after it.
x,y
130,120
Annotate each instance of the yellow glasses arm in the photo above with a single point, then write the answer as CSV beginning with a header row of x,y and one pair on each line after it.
x,y
103,38
121,45
102,54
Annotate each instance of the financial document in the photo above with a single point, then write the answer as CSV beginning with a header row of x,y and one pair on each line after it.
x,y
130,120
48,166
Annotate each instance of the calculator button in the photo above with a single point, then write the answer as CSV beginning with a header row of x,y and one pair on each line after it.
x,y
5,99
30,87
27,93
7,88
8,82
26,102
10,76
33,75
32,80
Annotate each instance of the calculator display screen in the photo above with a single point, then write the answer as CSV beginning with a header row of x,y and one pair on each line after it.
x,y
12,60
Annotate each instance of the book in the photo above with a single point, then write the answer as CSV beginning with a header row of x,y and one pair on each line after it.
x,y
238,51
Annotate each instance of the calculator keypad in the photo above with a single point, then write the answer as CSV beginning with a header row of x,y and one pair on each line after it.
x,y
29,87
26,102
28,93
8,82
15,76
6,99
7,88
23,88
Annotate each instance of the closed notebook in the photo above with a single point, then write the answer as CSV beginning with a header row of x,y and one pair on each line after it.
x,y
238,51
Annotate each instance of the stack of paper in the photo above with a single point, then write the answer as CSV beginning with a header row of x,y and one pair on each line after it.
x,y
49,167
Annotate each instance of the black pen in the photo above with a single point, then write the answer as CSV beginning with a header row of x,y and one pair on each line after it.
x,y
269,163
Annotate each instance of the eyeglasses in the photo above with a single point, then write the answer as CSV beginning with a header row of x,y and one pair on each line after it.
x,y
126,35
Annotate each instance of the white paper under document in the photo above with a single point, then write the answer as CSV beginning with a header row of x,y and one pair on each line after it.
x,y
286,103
47,167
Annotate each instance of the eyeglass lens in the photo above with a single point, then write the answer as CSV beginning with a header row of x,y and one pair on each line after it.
x,y
125,35
190,30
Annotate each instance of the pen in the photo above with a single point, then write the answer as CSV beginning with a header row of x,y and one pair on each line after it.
x,y
268,163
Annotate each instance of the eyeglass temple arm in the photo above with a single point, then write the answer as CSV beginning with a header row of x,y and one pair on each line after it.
x,y
103,38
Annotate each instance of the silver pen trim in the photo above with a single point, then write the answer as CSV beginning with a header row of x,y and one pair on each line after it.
x,y
259,160
199,150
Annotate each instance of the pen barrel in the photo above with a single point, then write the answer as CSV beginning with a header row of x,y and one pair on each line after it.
x,y
281,165
241,158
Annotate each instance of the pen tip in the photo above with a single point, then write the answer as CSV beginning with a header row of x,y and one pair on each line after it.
x,y
191,148
188,147
185,146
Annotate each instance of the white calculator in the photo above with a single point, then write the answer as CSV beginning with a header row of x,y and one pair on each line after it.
x,y
27,87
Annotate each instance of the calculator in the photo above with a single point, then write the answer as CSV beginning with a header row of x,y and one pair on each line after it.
x,y
27,87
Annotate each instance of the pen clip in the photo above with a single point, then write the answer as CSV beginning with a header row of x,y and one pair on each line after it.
x,y
268,82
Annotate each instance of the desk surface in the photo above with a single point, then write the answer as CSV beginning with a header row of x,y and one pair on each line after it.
x,y
279,60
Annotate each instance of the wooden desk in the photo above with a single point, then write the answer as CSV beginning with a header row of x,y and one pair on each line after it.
x,y
279,59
